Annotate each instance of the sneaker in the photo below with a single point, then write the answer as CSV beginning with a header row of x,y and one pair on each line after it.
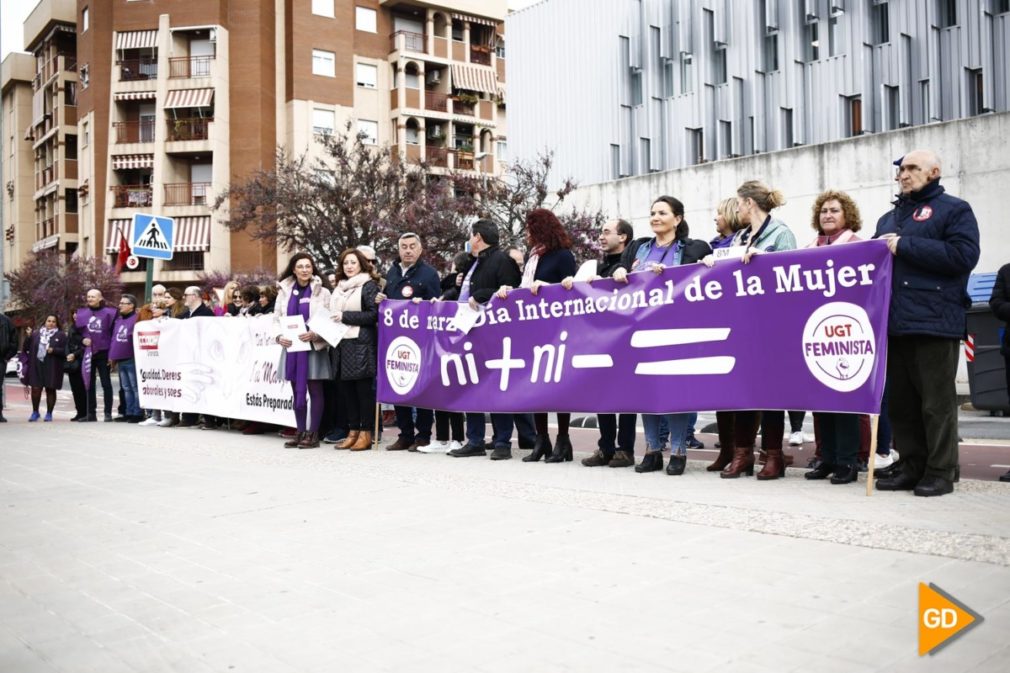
x,y
468,450
48,418
335,437
883,461
501,453
796,438
149,421
693,442
437,447
453,445
34,417
166,423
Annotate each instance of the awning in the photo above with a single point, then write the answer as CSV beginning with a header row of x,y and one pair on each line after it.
x,y
38,107
189,98
45,243
137,39
474,19
112,232
474,78
192,234
125,162
135,95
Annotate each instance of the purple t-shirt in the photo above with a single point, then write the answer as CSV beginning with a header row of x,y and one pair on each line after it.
x,y
121,347
96,324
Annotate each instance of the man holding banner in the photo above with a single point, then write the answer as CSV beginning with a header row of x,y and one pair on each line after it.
x,y
935,243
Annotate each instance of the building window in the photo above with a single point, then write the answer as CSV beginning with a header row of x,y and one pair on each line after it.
x,y
82,75
85,134
323,63
323,121
946,13
788,140
85,20
411,134
892,100
668,79
686,73
70,200
501,150
726,133
853,115
499,49
322,8
1002,6
695,146
719,73
811,43
411,79
881,24
771,52
369,130
645,160
70,147
976,105
635,81
457,30
615,161
365,19
367,75
834,36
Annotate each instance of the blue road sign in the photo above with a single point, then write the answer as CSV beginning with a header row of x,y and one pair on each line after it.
x,y
153,236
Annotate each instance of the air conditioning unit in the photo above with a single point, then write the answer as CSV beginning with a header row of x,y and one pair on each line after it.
x,y
433,77
435,131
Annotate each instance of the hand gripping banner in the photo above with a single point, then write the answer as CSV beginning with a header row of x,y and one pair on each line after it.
x,y
804,329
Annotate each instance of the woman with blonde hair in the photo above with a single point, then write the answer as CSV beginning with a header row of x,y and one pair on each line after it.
x,y
726,223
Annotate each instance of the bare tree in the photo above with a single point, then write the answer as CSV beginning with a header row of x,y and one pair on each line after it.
x,y
50,284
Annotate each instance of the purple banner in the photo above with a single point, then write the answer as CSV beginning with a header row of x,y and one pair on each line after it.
x,y
805,329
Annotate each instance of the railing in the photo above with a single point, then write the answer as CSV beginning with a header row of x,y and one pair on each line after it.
x,y
195,128
461,108
437,156
45,228
134,132
411,41
464,160
189,66
438,102
138,68
186,193
46,176
481,55
131,196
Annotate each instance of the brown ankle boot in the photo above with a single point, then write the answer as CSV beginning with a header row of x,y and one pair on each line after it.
x,y
724,459
363,442
743,463
775,466
310,440
293,442
352,436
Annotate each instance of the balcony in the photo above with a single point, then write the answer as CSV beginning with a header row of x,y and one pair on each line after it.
x,y
480,55
464,160
437,157
134,132
406,40
189,66
46,176
45,228
138,69
435,101
131,196
194,128
186,193
463,108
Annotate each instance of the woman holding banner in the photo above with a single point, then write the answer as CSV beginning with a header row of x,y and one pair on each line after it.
x,y
670,246
353,304
738,430
301,293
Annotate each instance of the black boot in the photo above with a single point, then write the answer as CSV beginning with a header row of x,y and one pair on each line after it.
x,y
562,450
541,447
845,474
651,462
676,466
822,471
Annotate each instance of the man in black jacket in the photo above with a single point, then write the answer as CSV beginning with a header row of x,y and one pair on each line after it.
x,y
411,278
934,239
8,349
490,269
999,302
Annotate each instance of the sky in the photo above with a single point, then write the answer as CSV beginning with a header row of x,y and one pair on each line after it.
x,y
14,12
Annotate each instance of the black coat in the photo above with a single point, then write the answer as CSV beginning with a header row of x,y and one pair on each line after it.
x,y
494,270
694,251
49,372
201,311
357,357
555,266
999,302
421,278
75,347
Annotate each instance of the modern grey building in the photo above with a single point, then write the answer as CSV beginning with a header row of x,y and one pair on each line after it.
x,y
627,87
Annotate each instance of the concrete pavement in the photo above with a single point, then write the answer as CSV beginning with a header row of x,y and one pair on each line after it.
x,y
147,549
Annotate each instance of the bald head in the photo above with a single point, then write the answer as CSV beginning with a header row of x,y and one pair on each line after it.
x,y
918,168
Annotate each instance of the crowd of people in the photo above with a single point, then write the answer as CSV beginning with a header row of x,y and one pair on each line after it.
x,y
932,235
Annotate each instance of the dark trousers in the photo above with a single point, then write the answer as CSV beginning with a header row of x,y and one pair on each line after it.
x,y
796,420
617,433
334,409
79,393
525,430
840,437
100,366
444,420
922,403
411,430
359,399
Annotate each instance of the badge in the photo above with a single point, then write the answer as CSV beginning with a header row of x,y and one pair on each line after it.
x,y
407,292
922,214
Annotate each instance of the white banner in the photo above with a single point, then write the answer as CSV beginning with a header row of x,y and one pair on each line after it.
x,y
228,367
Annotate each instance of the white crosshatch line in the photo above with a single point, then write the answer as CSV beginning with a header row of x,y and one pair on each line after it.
x,y
654,338
720,364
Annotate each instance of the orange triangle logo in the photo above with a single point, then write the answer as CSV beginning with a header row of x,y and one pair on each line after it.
x,y
942,619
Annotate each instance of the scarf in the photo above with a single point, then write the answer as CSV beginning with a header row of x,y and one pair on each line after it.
x,y
843,236
347,297
530,270
44,336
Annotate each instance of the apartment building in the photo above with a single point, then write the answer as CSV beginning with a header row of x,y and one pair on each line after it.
x,y
17,163
657,85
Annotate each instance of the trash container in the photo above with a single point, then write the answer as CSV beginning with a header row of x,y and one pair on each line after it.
x,y
986,367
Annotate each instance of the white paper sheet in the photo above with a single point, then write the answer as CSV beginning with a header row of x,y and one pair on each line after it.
x,y
466,317
322,324
291,327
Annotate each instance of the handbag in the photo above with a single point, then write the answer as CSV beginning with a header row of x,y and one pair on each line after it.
x,y
22,360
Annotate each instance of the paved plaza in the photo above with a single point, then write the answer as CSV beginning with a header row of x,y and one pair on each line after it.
x,y
127,549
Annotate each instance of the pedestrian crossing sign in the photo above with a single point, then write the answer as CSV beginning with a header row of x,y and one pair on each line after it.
x,y
152,236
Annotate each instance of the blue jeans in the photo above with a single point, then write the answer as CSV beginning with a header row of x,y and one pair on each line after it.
x,y
692,421
677,423
501,425
128,382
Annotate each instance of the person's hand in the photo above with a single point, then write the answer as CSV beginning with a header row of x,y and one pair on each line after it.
x,y
568,283
308,336
473,304
49,350
656,268
284,342
459,280
337,316
749,255
86,341
435,299
537,284
71,358
379,298
708,260
416,300
503,291
892,242
621,275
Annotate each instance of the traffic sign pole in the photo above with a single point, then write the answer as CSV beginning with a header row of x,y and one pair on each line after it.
x,y
149,281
